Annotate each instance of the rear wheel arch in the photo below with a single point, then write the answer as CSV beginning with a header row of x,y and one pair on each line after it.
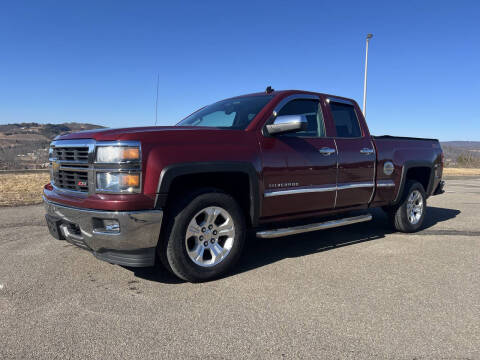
x,y
420,171
420,174
408,215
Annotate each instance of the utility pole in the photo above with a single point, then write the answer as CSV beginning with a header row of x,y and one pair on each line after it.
x,y
369,36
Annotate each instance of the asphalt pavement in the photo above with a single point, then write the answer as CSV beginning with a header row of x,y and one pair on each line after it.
x,y
356,292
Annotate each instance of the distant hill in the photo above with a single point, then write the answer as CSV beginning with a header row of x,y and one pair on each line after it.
x,y
49,131
25,145
466,145
462,153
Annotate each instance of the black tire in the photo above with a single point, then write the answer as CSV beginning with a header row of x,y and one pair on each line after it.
x,y
172,249
399,214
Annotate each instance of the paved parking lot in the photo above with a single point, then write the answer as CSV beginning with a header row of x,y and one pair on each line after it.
x,y
354,292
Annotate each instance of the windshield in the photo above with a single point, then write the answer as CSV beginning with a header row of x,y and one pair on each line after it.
x,y
228,114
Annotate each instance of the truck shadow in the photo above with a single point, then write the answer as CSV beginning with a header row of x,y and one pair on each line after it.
x,y
262,252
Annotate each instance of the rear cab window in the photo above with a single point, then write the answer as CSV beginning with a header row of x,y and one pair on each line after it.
x,y
345,120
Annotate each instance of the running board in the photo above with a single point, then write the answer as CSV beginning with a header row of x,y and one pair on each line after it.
x,y
268,234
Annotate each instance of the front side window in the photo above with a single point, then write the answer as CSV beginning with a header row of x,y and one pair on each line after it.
x,y
345,119
228,114
312,111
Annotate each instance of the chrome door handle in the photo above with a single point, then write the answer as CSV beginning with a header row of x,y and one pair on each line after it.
x,y
367,151
325,151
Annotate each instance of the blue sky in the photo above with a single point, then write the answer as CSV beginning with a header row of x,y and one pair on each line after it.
x,y
97,61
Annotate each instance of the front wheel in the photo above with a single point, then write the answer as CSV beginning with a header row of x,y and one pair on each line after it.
x,y
205,236
409,214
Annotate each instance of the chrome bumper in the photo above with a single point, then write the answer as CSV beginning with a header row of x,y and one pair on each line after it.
x,y
131,243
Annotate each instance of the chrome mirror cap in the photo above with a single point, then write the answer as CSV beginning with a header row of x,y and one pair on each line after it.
x,y
287,124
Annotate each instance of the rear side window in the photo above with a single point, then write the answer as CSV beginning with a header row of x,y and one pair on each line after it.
x,y
345,120
312,111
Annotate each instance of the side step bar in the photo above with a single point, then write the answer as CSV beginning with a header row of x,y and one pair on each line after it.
x,y
268,234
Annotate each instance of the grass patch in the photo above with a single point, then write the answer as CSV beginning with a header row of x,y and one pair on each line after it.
x,y
22,189
461,171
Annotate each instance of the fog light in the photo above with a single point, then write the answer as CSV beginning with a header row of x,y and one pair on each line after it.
x,y
110,226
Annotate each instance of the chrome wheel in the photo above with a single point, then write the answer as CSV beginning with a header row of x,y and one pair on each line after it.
x,y
210,236
414,207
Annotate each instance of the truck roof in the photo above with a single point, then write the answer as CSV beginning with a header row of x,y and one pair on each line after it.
x,y
290,92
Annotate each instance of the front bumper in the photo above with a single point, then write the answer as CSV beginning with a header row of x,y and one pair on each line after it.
x,y
131,243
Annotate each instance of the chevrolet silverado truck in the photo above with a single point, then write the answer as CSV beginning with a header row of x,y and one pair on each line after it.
x,y
274,164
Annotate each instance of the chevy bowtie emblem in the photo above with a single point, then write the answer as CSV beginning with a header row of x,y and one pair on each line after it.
x,y
55,166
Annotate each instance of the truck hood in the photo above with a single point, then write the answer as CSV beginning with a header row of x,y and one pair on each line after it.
x,y
144,133
170,144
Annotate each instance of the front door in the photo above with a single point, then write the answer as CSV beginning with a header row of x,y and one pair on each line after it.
x,y
299,169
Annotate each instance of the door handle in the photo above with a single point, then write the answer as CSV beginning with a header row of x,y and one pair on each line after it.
x,y
325,151
367,151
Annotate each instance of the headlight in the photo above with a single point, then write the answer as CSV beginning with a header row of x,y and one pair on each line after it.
x,y
118,182
117,154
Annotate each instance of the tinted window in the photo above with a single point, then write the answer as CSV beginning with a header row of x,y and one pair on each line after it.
x,y
345,120
219,119
312,111
231,113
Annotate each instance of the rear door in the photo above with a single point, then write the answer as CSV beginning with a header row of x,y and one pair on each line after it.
x,y
356,155
299,169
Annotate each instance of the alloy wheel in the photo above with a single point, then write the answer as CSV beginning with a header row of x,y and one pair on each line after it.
x,y
414,207
210,236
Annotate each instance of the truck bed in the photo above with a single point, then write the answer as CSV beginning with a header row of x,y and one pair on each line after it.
x,y
390,137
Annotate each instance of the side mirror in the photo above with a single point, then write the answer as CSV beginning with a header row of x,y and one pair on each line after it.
x,y
287,124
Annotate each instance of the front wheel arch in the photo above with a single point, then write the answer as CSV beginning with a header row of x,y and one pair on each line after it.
x,y
238,178
172,248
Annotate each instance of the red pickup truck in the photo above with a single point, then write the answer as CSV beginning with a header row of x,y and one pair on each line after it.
x,y
277,163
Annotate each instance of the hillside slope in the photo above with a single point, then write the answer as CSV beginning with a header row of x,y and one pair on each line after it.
x,y
465,154
25,145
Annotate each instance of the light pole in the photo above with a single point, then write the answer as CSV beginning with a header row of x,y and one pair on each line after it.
x,y
156,100
369,36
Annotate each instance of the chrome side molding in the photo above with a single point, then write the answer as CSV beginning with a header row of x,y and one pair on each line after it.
x,y
300,190
385,183
269,234
320,188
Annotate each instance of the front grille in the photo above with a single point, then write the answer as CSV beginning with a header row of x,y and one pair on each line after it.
x,y
79,154
72,164
71,180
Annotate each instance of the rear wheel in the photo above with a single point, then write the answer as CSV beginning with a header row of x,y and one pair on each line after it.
x,y
204,236
409,214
